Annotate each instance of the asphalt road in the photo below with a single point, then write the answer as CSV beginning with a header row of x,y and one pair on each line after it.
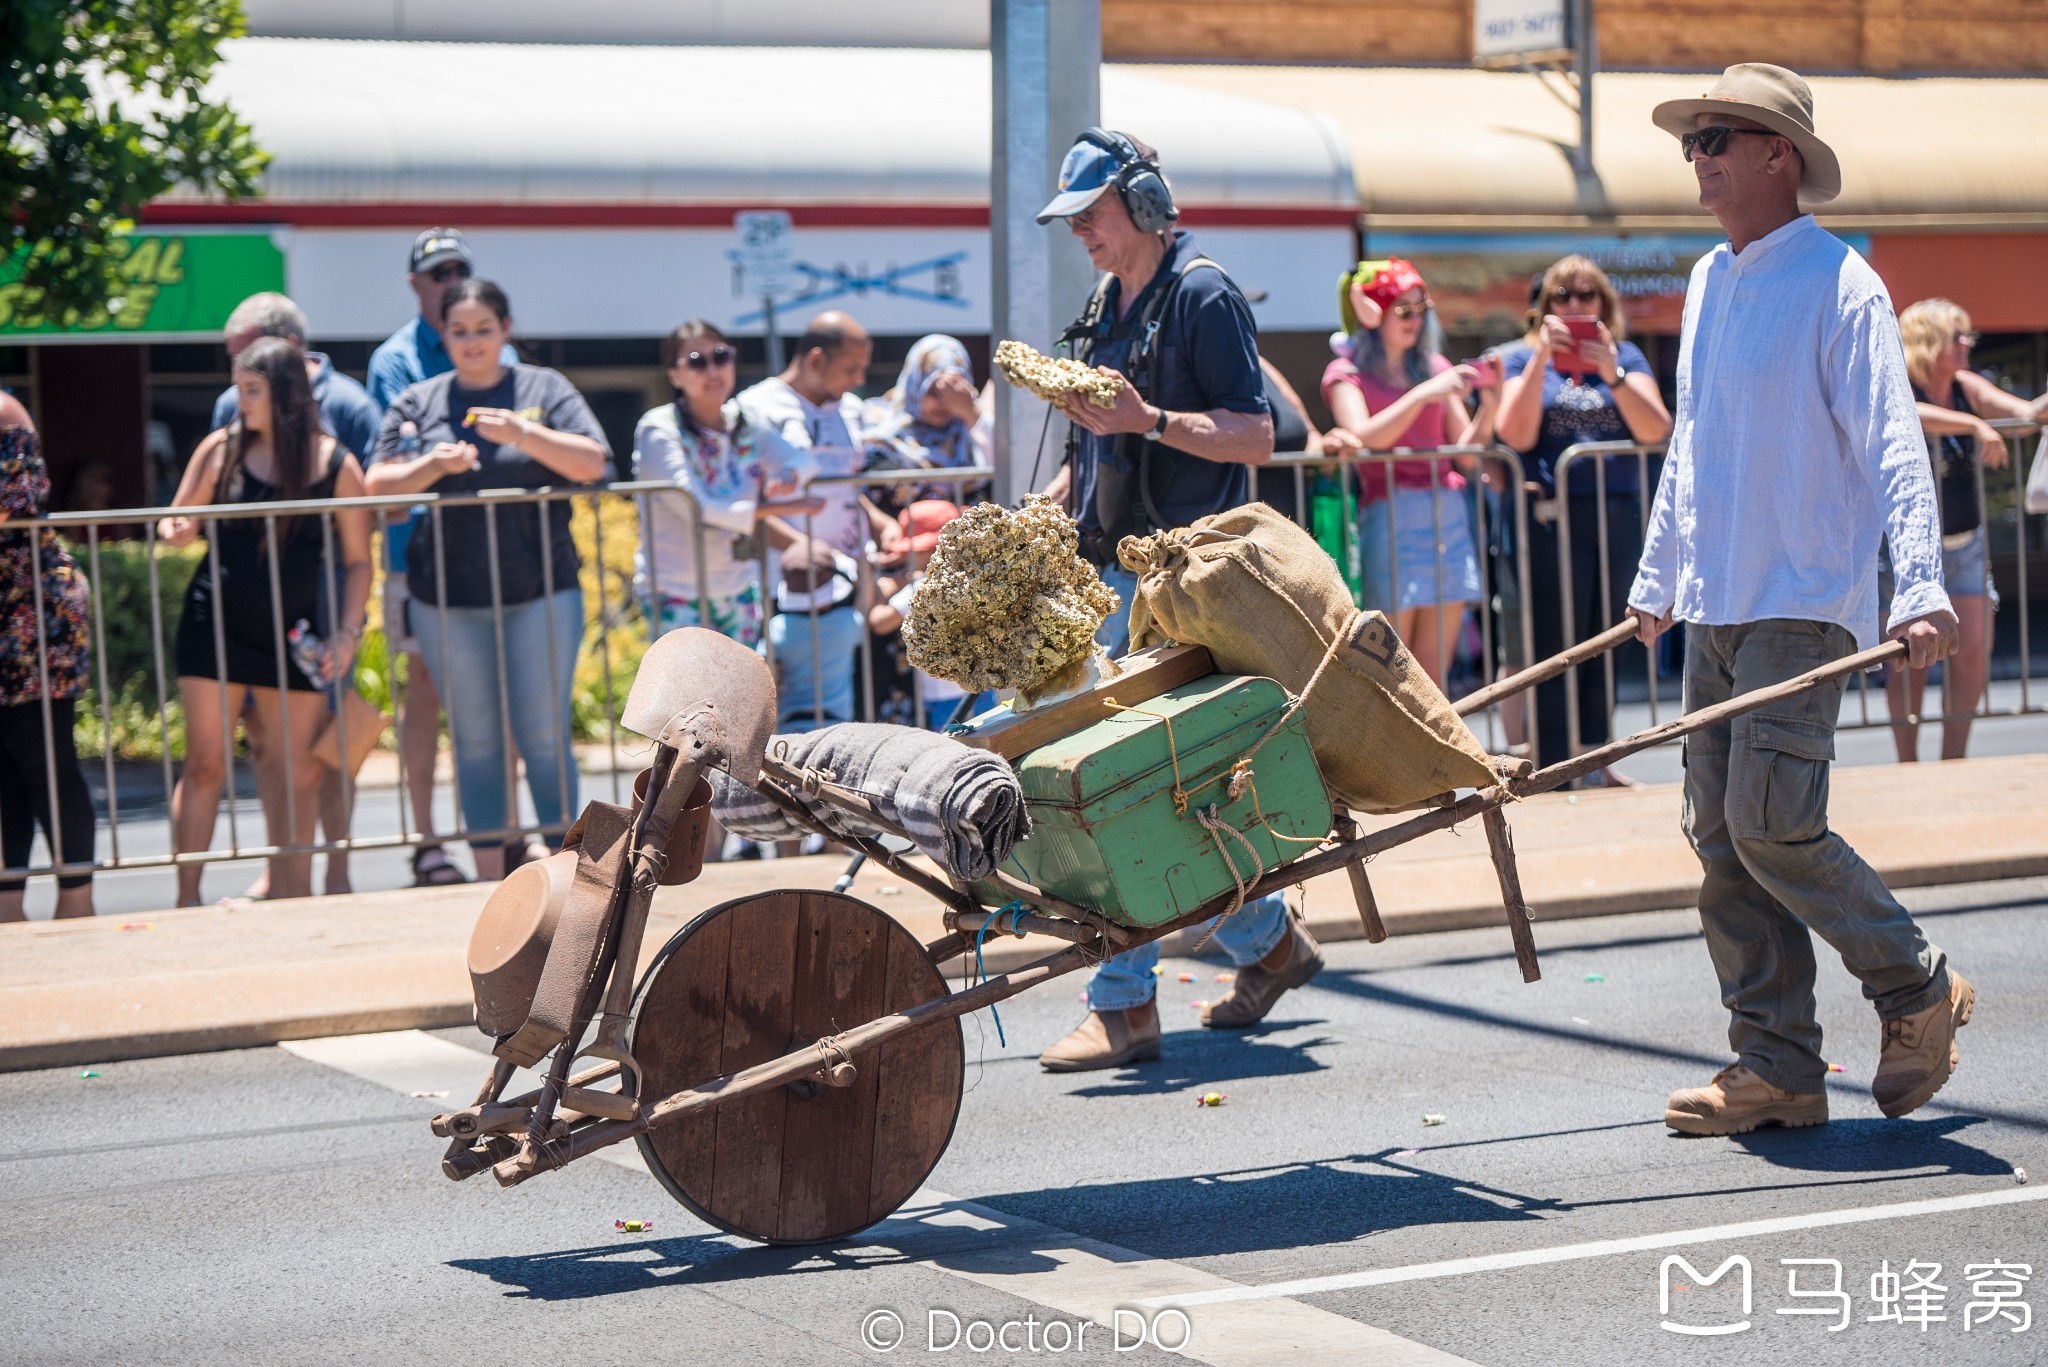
x,y
271,1205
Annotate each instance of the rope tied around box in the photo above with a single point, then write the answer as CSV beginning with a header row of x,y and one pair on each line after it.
x,y
1239,778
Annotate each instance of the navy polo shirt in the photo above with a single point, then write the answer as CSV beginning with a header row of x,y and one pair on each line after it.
x,y
1208,359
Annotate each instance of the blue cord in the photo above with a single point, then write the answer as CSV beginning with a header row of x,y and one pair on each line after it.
x,y
1013,910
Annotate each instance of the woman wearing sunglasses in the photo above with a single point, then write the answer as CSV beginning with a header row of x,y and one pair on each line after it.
x,y
1395,389
700,443
1563,387
507,623
1955,403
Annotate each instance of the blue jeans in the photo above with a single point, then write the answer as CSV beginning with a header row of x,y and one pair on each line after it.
x,y
537,688
1246,936
1114,635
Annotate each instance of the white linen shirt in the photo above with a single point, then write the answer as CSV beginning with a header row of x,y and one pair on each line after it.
x,y
1795,446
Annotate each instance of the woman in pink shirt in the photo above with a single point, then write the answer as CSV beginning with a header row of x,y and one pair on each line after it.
x,y
1395,390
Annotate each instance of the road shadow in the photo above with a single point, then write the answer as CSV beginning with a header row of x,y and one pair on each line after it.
x,y
1876,1145
638,1264
1324,1201
1201,1057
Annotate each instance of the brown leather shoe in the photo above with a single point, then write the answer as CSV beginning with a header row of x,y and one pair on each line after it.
x,y
1920,1051
1257,987
1107,1039
1737,1101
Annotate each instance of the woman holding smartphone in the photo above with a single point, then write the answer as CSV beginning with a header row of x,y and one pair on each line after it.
x,y
1395,389
1573,378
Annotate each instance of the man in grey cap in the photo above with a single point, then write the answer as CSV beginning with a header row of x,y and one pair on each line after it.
x,y
1190,421
1796,444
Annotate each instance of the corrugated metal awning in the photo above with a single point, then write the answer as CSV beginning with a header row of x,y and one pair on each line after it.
x,y
397,122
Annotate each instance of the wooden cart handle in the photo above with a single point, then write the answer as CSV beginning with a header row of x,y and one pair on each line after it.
x,y
1501,689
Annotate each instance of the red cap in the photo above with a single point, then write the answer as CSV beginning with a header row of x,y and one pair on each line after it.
x,y
921,521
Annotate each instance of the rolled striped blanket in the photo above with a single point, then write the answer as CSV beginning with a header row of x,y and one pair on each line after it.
x,y
963,806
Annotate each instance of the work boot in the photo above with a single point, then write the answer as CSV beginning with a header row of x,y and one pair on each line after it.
x,y
1737,1101
1920,1051
1107,1039
1258,986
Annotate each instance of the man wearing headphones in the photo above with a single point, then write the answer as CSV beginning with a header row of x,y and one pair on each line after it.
x,y
1190,418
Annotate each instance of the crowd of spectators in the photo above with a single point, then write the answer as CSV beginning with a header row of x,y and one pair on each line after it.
x,y
484,605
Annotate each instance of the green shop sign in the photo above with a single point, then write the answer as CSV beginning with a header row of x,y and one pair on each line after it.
x,y
177,283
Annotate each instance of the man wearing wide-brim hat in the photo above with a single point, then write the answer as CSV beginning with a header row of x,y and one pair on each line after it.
x,y
1795,445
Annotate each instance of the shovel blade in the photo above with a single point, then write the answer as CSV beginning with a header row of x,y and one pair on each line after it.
x,y
693,668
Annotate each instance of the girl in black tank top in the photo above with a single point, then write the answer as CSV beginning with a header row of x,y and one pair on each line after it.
x,y
248,592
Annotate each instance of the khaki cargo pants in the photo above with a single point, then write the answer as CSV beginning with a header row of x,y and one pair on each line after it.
x,y
1756,812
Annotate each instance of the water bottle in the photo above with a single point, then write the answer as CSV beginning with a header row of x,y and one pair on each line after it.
x,y
309,652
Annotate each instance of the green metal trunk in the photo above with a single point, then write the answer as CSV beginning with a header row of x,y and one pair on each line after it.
x,y
1107,832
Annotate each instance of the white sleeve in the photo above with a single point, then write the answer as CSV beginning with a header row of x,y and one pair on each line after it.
x,y
1871,399
1656,586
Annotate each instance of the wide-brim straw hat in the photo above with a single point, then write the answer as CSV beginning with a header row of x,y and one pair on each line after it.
x,y
1778,99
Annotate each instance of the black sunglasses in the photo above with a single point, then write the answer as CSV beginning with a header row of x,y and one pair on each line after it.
x,y
1712,142
719,355
1562,295
448,270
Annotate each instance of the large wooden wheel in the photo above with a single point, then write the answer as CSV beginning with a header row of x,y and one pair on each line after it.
x,y
749,981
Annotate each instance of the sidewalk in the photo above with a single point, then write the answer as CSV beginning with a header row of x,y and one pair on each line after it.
x,y
174,982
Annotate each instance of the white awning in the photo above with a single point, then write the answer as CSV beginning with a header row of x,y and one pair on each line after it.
x,y
1437,147
397,122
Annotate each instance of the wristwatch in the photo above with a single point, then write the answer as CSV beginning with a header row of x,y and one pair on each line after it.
x,y
1157,429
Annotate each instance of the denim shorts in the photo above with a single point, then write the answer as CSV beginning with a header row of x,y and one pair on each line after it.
x,y
1965,571
1429,527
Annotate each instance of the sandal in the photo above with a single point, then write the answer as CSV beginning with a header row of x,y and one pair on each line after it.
x,y
432,868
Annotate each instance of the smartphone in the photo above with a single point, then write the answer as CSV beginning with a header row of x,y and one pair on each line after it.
x,y
1489,368
1569,361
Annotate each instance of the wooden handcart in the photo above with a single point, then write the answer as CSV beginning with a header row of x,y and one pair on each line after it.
x,y
791,1063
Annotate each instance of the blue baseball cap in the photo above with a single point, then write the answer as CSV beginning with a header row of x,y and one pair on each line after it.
x,y
1084,175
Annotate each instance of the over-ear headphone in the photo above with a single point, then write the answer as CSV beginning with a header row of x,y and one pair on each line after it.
x,y
1138,182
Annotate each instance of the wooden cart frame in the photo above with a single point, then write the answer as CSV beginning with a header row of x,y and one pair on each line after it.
x,y
799,1171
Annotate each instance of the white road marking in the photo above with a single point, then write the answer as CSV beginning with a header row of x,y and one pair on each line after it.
x,y
410,1061
1604,1248
1067,1273
1089,1279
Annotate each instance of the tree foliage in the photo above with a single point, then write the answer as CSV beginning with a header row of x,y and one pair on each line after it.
x,y
105,108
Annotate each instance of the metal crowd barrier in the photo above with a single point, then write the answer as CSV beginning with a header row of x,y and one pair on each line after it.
x,y
1493,633
641,593
1600,453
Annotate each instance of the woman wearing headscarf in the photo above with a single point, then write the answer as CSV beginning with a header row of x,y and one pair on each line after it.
x,y
932,418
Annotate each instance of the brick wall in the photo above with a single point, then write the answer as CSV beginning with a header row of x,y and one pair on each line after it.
x,y
1877,36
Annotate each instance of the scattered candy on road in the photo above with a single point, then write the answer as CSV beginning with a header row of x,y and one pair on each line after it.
x,y
1432,1120
1212,1098
633,1226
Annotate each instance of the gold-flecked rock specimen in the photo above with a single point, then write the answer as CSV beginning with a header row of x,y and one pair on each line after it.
x,y
1052,378
1007,601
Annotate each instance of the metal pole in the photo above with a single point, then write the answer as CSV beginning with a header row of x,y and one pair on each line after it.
x,y
1585,58
773,339
1046,56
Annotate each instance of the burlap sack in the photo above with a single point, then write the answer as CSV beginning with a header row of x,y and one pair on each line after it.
x,y
1266,599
